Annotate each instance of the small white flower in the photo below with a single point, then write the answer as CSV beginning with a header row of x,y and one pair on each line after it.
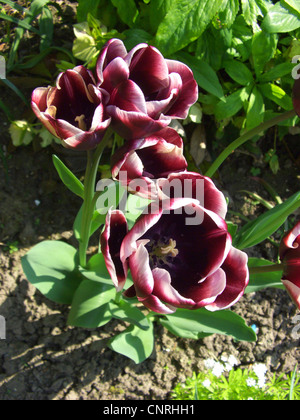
x,y
251,382
260,370
209,363
233,360
218,369
206,383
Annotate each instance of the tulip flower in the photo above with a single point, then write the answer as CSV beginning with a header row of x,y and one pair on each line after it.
x,y
289,252
146,90
177,265
73,110
140,162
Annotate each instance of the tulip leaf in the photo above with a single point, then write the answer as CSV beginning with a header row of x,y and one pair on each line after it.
x,y
96,270
126,312
220,322
134,343
67,177
265,225
259,281
51,266
180,332
90,305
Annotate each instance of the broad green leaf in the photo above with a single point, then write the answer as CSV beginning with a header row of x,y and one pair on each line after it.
x,y
220,322
97,221
184,22
126,312
85,7
127,11
239,72
228,12
135,36
67,177
90,305
280,20
134,343
96,270
204,74
255,110
52,268
276,94
293,4
250,11
179,332
259,281
263,50
84,45
232,104
157,11
265,225
276,72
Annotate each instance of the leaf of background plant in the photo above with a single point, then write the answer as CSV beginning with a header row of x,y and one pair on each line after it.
x,y
127,11
229,11
255,110
220,322
96,270
250,11
276,94
157,11
204,74
294,4
239,72
67,177
280,20
265,225
46,29
263,49
276,72
51,267
128,313
85,7
15,89
259,281
90,305
134,343
232,104
184,22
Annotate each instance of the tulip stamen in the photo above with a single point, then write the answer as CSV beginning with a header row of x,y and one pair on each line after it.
x,y
81,123
169,250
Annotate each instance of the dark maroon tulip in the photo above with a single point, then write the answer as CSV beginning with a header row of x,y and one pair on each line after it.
x,y
178,265
146,90
111,239
139,162
193,185
289,252
74,109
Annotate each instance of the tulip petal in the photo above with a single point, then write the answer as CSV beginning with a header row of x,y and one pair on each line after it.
x,y
87,140
165,292
148,68
156,305
188,94
113,234
293,290
237,279
129,97
112,49
141,272
115,73
289,241
208,290
134,125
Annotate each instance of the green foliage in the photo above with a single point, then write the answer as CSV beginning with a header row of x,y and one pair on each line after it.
x,y
238,384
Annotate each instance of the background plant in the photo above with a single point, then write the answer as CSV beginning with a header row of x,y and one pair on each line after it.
x,y
238,384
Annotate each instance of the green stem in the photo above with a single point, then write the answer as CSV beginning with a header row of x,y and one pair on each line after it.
x,y
88,199
266,268
245,137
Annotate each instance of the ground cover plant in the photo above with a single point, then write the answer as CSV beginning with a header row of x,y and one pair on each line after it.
x,y
119,105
